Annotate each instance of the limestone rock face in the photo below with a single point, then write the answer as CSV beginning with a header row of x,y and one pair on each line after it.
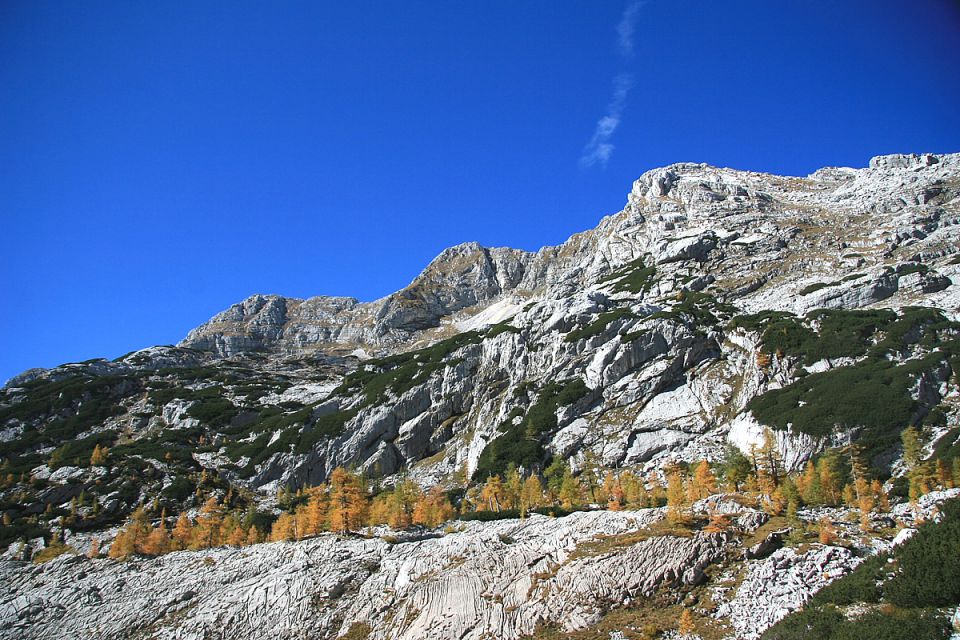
x,y
647,334
494,579
765,235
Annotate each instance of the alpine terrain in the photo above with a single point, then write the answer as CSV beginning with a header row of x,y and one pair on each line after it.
x,y
731,410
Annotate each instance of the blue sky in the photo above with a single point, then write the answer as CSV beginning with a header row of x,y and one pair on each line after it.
x,y
160,161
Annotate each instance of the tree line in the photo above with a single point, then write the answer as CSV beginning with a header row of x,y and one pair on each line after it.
x,y
348,502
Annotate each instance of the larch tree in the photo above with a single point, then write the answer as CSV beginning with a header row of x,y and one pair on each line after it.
x,y
569,490
918,470
634,493
512,487
613,491
531,495
158,541
676,496
348,503
317,506
132,537
182,532
99,456
433,508
282,528
685,624
831,482
207,531
704,482
589,475
492,493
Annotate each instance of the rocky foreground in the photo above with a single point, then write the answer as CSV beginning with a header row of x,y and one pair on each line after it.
x,y
504,579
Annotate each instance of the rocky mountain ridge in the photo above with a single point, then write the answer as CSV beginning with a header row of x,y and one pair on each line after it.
x,y
719,308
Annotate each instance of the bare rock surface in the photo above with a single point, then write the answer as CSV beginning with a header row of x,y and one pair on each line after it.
x,y
491,579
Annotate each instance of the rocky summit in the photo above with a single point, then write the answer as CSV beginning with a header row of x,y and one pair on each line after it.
x,y
792,330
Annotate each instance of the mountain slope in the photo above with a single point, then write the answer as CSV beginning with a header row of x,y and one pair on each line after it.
x,y
717,305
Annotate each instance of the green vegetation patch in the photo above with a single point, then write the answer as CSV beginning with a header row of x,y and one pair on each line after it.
x,y
501,327
702,309
635,277
836,333
905,595
521,444
874,393
816,286
599,325
402,372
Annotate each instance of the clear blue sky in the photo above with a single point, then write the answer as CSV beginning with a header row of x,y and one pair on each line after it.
x,y
160,161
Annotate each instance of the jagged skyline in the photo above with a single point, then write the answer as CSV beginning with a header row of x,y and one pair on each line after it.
x,y
161,165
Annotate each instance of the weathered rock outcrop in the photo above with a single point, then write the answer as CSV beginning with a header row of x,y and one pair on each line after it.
x,y
686,322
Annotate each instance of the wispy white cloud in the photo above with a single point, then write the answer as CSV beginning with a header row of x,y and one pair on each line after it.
x,y
626,25
599,149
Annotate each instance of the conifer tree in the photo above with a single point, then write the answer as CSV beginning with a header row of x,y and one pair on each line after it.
x,y
132,537
880,496
158,541
99,456
944,475
919,472
209,522
282,528
634,493
737,468
182,532
676,496
253,535
718,522
553,475
768,464
810,488
433,508
704,482
827,533
569,490
347,501
512,487
492,493
685,624
589,475
316,510
401,503
531,495
613,491
237,537
472,500
658,495
831,482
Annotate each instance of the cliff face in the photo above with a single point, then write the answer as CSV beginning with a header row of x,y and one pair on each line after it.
x,y
636,308
757,238
718,306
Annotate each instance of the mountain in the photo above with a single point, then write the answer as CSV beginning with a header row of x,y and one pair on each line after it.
x,y
719,307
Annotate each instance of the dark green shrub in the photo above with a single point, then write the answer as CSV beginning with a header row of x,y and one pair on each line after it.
x,y
599,325
521,444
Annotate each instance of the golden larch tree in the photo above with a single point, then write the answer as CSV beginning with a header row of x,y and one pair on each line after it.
x,y
531,495
348,504
182,532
